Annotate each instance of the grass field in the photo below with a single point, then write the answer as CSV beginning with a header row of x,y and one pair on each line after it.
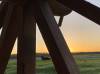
x,y
88,64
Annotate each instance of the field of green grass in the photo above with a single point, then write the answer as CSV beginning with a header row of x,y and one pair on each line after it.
x,y
88,64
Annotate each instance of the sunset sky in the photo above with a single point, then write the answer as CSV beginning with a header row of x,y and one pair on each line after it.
x,y
81,34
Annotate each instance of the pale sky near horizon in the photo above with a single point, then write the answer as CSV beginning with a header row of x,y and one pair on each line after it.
x,y
81,34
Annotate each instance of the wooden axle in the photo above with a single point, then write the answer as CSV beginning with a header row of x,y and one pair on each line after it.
x,y
57,8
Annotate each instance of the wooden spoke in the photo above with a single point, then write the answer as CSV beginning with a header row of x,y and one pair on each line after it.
x,y
3,9
26,42
58,49
8,36
18,20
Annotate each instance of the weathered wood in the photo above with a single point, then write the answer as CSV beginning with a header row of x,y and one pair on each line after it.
x,y
7,37
84,8
26,42
58,49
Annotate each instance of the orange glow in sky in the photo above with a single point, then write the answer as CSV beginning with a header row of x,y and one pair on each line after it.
x,y
80,34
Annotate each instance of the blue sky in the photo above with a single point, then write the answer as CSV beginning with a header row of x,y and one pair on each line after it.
x,y
95,2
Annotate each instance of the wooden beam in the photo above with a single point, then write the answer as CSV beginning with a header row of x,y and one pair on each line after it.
x,y
58,49
8,37
26,41
84,8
